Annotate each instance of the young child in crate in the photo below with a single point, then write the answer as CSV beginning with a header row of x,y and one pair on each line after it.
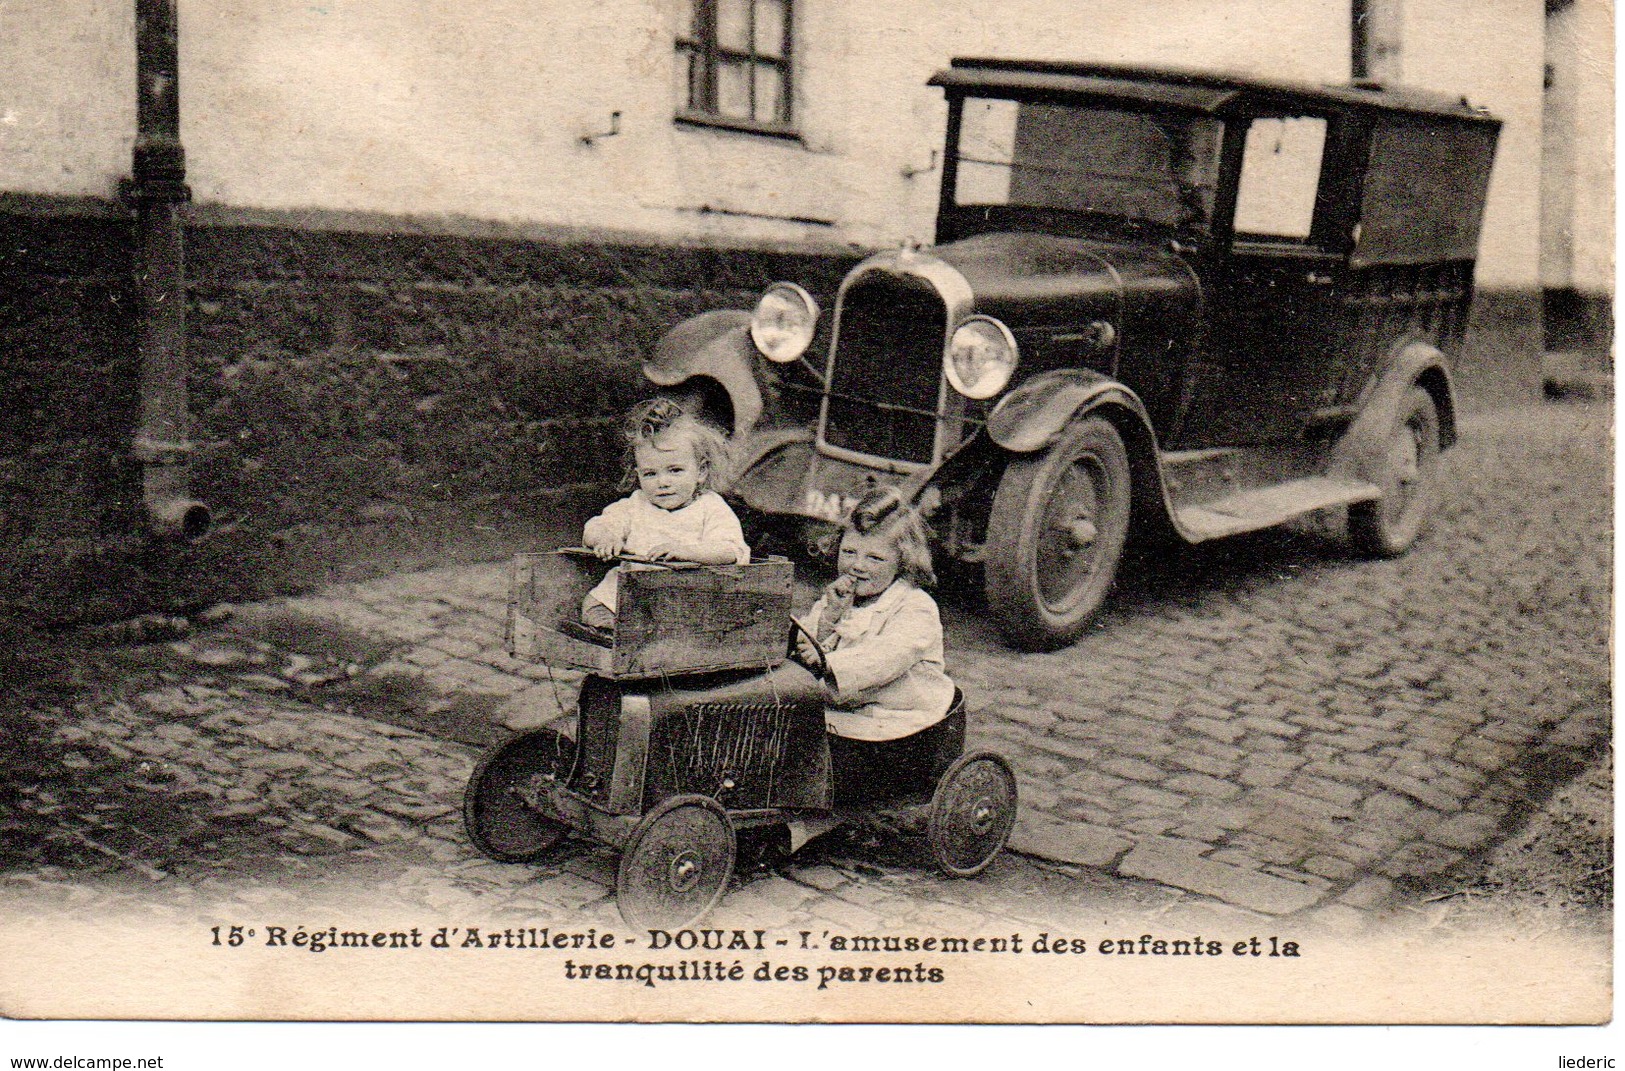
x,y
885,682
674,513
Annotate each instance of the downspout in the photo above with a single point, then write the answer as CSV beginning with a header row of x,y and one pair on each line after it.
x,y
157,191
1377,42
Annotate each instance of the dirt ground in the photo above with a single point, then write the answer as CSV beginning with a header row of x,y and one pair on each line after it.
x,y
1564,857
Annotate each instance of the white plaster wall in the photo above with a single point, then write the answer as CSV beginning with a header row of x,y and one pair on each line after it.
x,y
1493,53
895,121
445,108
379,107
440,108
67,95
426,108
1557,152
1594,197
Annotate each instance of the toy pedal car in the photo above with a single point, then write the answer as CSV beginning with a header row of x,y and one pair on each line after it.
x,y
674,759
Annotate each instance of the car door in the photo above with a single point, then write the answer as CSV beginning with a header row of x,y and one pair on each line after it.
x,y
1269,362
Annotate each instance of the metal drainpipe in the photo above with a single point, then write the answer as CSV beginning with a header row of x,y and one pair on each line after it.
x,y
1377,43
157,191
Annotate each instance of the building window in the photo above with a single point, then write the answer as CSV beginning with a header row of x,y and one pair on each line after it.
x,y
733,64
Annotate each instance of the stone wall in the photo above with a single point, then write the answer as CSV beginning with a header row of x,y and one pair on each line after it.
x,y
1500,359
369,400
1579,321
362,401
69,375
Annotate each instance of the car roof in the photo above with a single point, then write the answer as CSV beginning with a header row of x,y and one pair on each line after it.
x,y
1192,91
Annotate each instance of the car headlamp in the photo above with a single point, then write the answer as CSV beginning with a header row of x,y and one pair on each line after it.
x,y
981,357
784,322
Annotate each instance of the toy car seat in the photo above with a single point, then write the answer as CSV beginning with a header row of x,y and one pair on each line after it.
x,y
867,771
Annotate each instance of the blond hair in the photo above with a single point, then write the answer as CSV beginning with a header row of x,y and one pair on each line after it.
x,y
659,421
883,512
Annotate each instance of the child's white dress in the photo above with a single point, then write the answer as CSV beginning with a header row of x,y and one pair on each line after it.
x,y
640,525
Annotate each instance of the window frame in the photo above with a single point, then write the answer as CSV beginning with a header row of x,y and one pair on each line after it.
x,y
955,161
1333,200
1245,184
701,43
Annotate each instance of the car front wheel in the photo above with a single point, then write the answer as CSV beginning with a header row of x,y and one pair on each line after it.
x,y
1407,479
1055,534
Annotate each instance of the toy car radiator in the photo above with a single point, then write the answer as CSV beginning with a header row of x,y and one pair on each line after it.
x,y
745,740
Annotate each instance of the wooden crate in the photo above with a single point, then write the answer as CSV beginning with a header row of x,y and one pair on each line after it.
x,y
671,619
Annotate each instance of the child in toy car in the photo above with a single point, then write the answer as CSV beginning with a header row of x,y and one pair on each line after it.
x,y
888,695
675,464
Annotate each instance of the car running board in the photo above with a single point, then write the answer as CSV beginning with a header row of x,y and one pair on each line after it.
x,y
1247,511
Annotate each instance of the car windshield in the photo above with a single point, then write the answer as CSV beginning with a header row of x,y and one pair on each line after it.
x,y
1136,166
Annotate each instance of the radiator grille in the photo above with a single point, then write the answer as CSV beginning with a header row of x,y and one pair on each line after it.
x,y
888,353
708,745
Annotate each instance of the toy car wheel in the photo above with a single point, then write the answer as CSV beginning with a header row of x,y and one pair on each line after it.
x,y
500,822
676,864
972,813
1388,526
1056,531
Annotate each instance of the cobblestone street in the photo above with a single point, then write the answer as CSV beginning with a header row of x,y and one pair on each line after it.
x,y
1263,726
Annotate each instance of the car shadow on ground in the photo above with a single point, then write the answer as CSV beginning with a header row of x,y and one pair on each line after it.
x,y
1166,578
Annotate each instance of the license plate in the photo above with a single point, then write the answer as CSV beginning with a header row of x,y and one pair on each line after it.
x,y
828,505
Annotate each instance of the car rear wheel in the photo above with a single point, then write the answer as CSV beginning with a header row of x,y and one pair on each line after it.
x,y
500,821
676,864
1389,525
1055,534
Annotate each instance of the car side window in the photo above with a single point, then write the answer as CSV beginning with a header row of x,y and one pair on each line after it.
x,y
1280,174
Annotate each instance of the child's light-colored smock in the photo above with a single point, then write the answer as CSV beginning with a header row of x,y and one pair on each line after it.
x,y
640,525
889,677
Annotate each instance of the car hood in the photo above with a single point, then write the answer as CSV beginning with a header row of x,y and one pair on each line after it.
x,y
1035,280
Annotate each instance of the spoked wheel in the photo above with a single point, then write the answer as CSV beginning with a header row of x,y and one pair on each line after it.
x,y
972,813
1388,526
676,864
1057,529
500,822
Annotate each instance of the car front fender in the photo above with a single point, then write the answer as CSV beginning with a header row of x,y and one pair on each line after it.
x,y
1031,417
717,345
1362,451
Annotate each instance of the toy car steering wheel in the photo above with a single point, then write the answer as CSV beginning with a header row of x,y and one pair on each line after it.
x,y
821,671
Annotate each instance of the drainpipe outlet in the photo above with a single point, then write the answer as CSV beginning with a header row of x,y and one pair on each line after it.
x,y
171,513
184,520
157,191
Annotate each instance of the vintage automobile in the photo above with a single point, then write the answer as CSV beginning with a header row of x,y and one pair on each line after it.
x,y
1161,305
694,727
